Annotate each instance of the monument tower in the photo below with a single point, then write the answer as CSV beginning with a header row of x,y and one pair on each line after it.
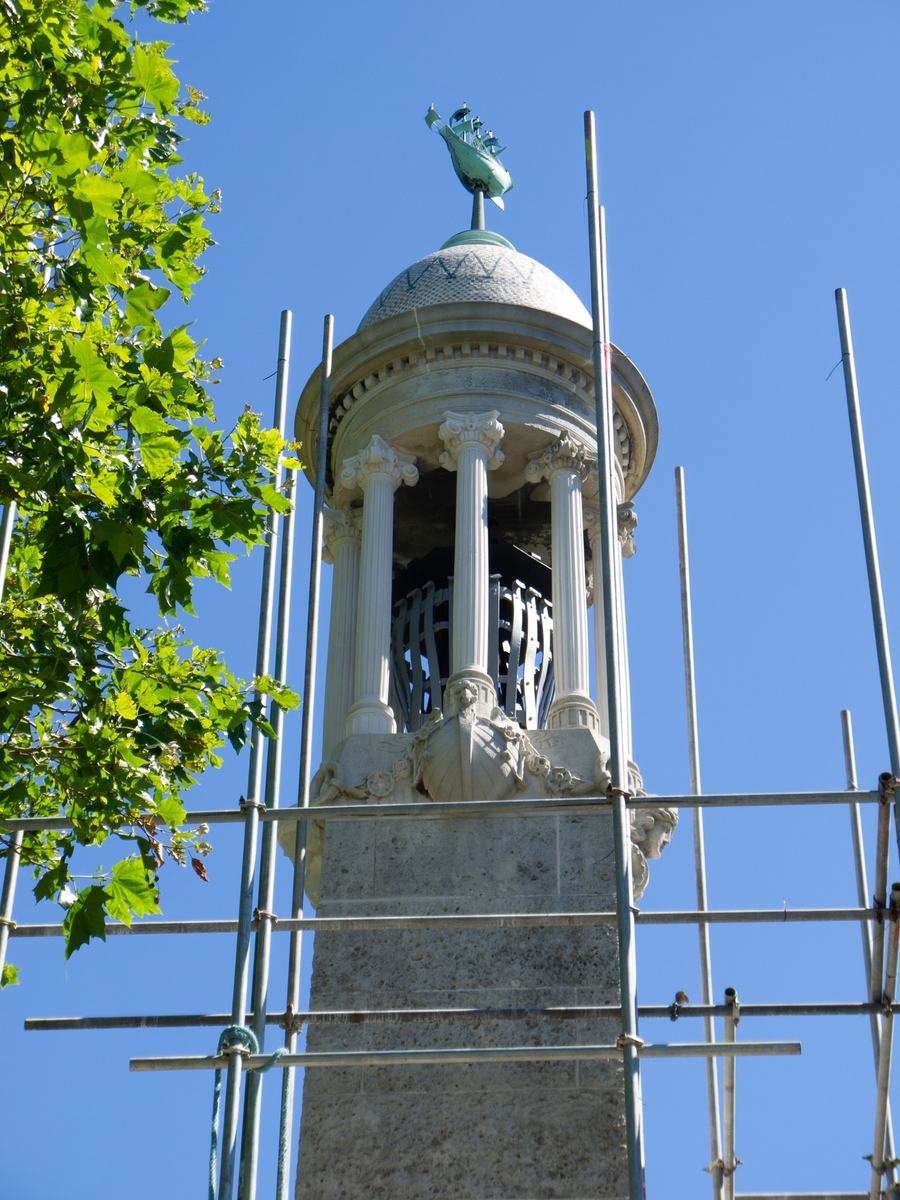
x,y
463,525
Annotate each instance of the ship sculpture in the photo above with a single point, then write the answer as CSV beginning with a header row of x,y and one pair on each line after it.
x,y
475,155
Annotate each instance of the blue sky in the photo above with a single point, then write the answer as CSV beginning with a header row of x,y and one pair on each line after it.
x,y
749,166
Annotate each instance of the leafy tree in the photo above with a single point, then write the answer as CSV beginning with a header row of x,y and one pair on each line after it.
x,y
109,450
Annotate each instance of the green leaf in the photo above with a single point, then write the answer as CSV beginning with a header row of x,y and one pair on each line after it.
x,y
159,454
125,706
153,75
95,378
121,537
132,891
105,492
145,420
86,919
172,812
142,303
101,193
9,975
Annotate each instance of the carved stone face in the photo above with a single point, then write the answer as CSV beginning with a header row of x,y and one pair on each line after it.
x,y
653,829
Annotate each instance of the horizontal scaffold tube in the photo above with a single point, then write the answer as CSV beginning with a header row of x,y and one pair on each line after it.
x,y
428,810
578,1012
465,1056
771,916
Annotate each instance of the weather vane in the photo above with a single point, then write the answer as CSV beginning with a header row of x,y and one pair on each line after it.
x,y
476,158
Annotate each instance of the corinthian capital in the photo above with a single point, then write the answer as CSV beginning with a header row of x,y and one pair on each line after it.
x,y
379,458
471,429
341,525
626,521
565,454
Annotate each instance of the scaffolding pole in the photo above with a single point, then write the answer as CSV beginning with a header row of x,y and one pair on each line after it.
x,y
376,1016
465,1056
295,953
567,920
867,518
690,695
14,849
862,890
618,756
440,810
882,1097
272,800
730,1162
252,805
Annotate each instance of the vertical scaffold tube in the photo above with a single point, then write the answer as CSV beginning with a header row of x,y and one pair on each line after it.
x,y
862,893
729,1159
253,803
882,1095
690,696
295,956
13,853
618,761
873,569
272,799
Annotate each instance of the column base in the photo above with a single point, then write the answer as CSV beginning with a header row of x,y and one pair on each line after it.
x,y
469,688
574,712
369,716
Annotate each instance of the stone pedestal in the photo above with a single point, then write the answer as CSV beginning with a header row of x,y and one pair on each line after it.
x,y
506,1132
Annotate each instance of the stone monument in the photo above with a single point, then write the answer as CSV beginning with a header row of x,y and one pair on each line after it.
x,y
462,526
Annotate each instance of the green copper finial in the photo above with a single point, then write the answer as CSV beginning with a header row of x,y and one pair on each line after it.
x,y
476,158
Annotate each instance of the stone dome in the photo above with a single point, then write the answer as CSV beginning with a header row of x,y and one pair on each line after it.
x,y
477,266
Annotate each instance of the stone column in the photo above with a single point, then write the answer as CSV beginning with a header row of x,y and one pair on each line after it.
x,y
342,544
378,471
472,442
627,523
564,465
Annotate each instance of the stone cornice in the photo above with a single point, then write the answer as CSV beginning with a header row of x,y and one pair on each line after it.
x,y
399,351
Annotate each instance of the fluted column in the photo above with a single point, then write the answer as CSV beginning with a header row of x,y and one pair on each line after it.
x,y
342,546
627,522
564,465
472,448
378,471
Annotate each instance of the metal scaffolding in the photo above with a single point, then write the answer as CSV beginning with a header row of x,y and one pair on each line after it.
x,y
243,1056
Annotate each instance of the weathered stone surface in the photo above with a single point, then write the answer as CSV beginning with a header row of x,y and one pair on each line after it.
x,y
518,1131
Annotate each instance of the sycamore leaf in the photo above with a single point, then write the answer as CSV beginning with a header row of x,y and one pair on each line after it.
x,y
121,538
132,891
125,706
150,70
104,492
86,919
101,193
159,453
145,420
9,975
172,812
142,303
97,379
